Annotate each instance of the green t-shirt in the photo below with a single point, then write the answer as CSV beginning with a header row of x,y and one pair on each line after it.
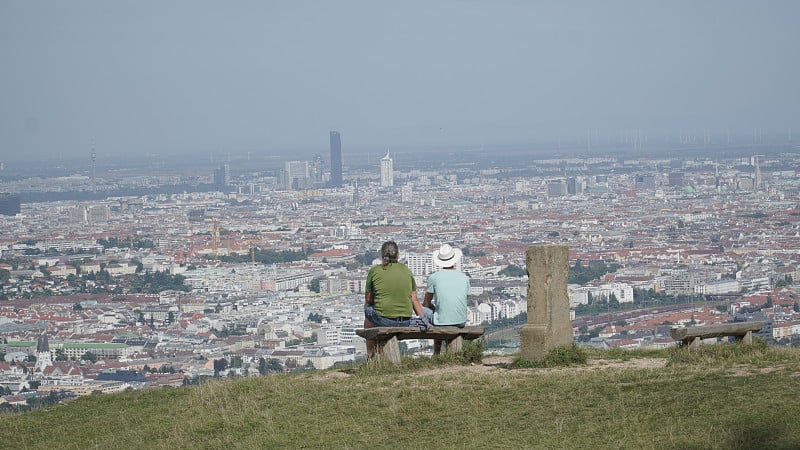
x,y
392,285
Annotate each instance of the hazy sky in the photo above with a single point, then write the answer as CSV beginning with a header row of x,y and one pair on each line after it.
x,y
172,76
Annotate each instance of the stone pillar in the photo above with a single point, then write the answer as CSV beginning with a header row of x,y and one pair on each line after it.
x,y
548,324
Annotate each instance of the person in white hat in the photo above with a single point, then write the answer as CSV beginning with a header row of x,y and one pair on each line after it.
x,y
445,300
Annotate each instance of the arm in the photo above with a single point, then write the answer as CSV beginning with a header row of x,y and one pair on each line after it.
x,y
415,304
369,293
428,299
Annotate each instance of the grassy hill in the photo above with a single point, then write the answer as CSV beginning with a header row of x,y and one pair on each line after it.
x,y
726,396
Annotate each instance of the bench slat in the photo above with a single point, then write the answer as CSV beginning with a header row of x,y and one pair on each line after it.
x,y
446,332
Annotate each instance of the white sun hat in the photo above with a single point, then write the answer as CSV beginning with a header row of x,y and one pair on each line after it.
x,y
446,256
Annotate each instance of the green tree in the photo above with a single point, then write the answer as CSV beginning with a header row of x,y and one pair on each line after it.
x,y
220,365
367,258
89,356
60,356
274,365
316,317
313,285
473,253
580,274
262,366
513,271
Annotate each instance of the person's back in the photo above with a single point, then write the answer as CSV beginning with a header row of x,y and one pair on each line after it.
x,y
446,296
392,285
450,289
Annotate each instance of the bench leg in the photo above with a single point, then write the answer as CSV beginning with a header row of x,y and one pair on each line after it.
x,y
455,344
391,350
695,344
748,338
437,346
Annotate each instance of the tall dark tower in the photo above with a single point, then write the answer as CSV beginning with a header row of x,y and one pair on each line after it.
x,y
94,178
336,159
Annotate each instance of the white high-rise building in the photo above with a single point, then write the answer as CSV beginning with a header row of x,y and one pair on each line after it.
x,y
387,171
421,264
296,175
405,193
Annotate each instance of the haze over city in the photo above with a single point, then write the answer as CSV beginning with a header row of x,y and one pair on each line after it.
x,y
273,78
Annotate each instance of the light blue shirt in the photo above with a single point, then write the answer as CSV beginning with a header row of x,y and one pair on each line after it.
x,y
450,289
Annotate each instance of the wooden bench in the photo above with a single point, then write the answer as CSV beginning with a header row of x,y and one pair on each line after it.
x,y
387,338
692,336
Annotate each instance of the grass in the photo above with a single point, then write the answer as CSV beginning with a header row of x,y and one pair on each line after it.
x,y
570,355
716,398
759,354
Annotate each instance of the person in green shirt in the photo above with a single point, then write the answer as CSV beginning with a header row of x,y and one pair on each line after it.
x,y
390,295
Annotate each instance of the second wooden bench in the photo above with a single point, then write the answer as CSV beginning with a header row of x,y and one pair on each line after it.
x,y
692,336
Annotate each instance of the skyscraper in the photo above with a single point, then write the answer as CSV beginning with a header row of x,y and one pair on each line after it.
x,y
757,184
9,204
222,177
336,159
575,186
296,175
355,193
387,172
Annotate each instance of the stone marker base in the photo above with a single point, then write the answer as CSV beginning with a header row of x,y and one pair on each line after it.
x,y
536,341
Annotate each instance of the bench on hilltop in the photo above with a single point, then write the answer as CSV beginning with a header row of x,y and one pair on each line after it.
x,y
386,338
691,336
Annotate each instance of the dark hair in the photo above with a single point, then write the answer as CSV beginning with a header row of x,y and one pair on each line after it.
x,y
389,252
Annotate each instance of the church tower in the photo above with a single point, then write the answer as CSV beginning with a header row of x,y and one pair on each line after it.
x,y
44,358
